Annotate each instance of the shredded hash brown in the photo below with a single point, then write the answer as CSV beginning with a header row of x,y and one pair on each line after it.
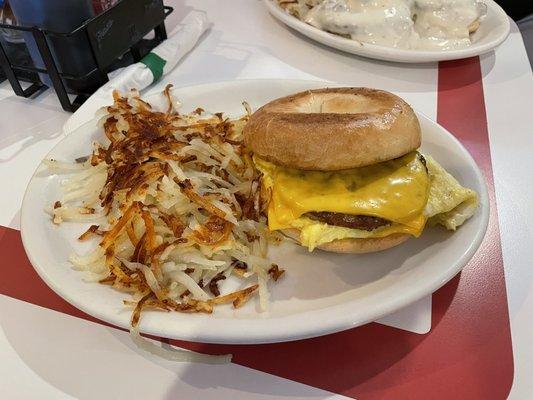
x,y
175,206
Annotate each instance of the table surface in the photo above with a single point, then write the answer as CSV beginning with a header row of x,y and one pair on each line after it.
x,y
46,353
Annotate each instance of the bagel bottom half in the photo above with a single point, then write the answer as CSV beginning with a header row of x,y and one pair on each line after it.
x,y
358,246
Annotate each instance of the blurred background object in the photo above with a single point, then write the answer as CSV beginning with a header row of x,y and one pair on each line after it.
x,y
71,54
102,5
517,9
13,44
7,17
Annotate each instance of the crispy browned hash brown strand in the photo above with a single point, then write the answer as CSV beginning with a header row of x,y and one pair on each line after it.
x,y
175,208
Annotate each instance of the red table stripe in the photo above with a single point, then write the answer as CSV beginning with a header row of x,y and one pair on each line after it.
x,y
468,353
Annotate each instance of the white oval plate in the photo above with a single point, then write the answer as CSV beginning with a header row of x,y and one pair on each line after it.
x,y
493,30
320,293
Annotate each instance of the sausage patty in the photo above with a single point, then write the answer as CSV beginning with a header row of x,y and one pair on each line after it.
x,y
362,222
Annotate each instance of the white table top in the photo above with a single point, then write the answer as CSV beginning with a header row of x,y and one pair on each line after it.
x,y
49,355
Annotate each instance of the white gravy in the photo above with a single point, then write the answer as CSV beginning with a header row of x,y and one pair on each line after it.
x,y
407,24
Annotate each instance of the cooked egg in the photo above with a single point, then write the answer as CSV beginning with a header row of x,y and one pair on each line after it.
x,y
449,203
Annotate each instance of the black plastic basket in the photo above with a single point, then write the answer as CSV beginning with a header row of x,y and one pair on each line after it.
x,y
114,37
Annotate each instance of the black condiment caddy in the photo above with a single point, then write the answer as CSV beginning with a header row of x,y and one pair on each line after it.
x,y
115,38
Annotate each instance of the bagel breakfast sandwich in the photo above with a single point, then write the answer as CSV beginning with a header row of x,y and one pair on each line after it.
x,y
342,171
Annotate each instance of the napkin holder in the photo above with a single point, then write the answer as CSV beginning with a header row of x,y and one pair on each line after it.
x,y
115,37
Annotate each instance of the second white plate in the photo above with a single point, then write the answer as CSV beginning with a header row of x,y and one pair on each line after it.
x,y
493,30
320,293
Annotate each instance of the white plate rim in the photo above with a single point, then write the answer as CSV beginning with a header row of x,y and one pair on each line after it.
x,y
274,329
387,53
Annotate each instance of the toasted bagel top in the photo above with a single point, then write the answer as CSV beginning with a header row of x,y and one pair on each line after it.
x,y
333,129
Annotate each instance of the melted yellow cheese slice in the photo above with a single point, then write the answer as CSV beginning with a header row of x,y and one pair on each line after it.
x,y
395,190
